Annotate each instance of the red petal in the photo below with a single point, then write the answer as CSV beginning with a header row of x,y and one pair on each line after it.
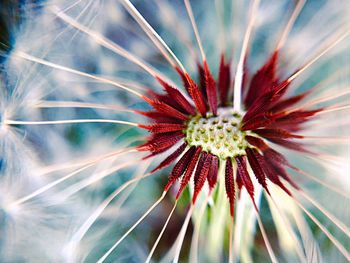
x,y
165,98
272,174
298,116
201,174
257,142
167,109
194,92
283,173
158,117
263,104
189,171
275,156
161,142
180,167
224,81
170,158
286,103
276,133
178,97
260,120
201,82
163,127
211,89
276,159
213,171
230,185
296,146
254,162
270,153
263,80
244,178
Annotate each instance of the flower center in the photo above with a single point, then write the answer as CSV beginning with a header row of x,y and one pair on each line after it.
x,y
220,135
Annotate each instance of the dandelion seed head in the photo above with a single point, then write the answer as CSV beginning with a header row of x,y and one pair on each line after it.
x,y
69,62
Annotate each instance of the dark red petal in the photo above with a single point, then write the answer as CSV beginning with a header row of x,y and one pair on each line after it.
x,y
189,171
275,156
230,185
158,117
298,116
286,103
258,121
272,174
168,160
276,133
163,127
257,142
161,97
270,153
167,109
283,173
211,89
263,103
244,178
296,146
224,80
292,121
160,142
178,97
201,82
201,174
263,80
194,92
239,181
213,171
254,162
180,167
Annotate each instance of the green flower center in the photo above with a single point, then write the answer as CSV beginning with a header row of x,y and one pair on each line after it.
x,y
220,135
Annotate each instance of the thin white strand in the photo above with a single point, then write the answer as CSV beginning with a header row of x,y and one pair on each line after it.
x,y
103,41
151,33
196,233
327,97
64,178
57,167
222,35
266,240
230,243
28,57
338,245
176,29
77,237
289,229
77,104
160,234
14,122
329,215
334,41
195,28
91,18
104,257
181,237
49,186
324,84
237,98
91,180
290,23
327,139
331,187
333,109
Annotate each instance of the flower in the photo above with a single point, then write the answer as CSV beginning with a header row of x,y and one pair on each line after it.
x,y
253,128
